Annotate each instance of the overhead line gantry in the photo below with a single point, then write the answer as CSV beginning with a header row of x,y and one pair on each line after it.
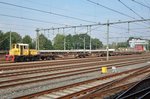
x,y
90,25
88,30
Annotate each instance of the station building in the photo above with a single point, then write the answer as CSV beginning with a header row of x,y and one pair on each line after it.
x,y
138,44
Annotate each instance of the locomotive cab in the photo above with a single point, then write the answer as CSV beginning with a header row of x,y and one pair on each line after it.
x,y
19,49
21,52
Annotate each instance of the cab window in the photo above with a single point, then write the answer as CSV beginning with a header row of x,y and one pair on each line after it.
x,y
17,46
13,46
25,47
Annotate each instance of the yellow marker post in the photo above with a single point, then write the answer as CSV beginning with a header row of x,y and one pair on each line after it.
x,y
104,70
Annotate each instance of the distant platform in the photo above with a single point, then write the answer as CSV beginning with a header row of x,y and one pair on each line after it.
x,y
72,51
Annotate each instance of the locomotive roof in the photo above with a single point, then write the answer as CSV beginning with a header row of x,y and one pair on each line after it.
x,y
23,44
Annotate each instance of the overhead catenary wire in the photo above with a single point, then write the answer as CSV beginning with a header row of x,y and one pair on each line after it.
x,y
48,12
75,30
88,30
143,25
128,37
119,27
121,13
146,2
110,9
1,28
89,25
62,9
18,25
4,39
140,28
131,30
91,29
30,19
130,9
140,3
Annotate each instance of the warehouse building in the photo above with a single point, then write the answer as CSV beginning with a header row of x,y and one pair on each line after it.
x,y
138,44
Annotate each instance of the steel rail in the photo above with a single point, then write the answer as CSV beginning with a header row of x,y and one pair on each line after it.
x,y
107,87
75,72
46,63
60,64
42,78
56,89
70,67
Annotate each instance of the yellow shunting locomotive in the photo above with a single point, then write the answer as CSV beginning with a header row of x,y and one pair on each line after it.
x,y
21,52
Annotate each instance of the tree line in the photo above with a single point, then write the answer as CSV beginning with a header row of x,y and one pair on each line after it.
x,y
77,41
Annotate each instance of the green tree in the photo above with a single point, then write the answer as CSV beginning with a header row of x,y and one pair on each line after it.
x,y
44,43
33,44
83,37
122,45
96,43
59,42
69,42
1,40
27,40
113,45
15,38
76,42
79,41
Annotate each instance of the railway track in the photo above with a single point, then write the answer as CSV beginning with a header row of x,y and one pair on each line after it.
x,y
70,91
35,79
60,70
13,80
3,62
119,85
57,64
90,65
140,90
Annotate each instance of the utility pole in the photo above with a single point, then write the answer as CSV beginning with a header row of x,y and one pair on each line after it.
x,y
84,44
64,39
75,43
107,48
37,39
10,41
128,27
90,39
87,30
